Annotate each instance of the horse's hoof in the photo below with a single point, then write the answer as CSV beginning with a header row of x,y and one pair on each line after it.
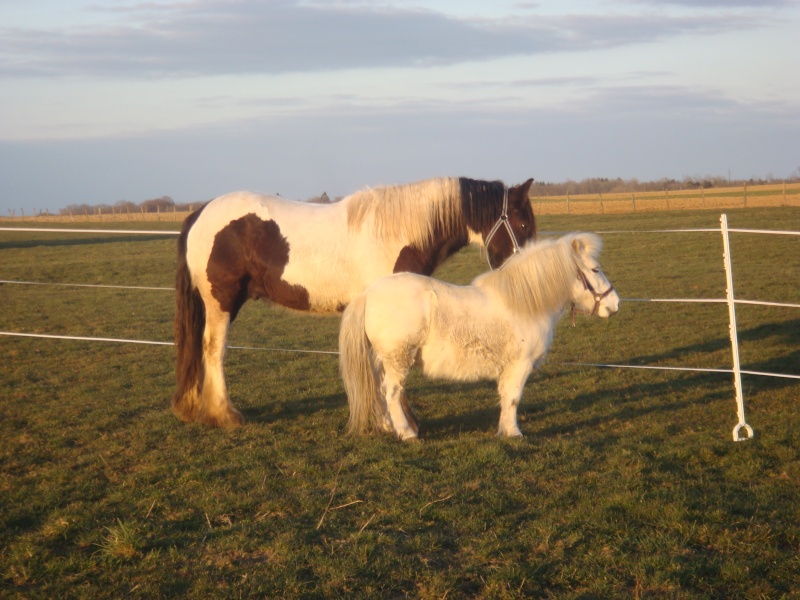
x,y
186,409
236,419
187,416
231,418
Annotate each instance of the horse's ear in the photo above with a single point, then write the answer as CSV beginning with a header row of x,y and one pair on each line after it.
x,y
522,192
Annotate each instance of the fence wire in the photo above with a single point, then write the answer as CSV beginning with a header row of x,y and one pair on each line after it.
x,y
331,352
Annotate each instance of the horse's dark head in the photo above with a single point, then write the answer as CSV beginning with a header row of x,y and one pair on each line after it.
x,y
519,217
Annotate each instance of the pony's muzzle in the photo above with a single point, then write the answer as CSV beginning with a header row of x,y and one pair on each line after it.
x,y
609,306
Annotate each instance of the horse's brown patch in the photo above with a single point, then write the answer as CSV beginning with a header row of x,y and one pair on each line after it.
x,y
247,261
425,259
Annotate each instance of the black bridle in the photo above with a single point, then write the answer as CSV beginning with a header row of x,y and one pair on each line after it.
x,y
598,297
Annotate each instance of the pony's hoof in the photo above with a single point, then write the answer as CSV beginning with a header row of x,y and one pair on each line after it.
x,y
510,434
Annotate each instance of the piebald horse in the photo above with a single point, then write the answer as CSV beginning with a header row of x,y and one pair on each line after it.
x,y
317,258
497,328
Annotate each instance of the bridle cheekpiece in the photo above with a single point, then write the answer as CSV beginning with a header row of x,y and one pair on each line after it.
x,y
502,220
598,297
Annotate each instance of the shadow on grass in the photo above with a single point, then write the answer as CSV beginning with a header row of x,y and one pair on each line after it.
x,y
678,392
665,397
636,401
292,409
786,333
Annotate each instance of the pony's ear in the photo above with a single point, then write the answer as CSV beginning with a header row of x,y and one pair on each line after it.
x,y
578,244
586,243
526,187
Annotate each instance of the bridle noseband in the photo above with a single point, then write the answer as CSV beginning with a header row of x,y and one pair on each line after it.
x,y
598,297
502,220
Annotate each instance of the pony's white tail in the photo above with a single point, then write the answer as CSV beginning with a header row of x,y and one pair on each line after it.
x,y
358,369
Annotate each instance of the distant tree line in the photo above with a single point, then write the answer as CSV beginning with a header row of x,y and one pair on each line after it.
x,y
596,185
602,185
164,204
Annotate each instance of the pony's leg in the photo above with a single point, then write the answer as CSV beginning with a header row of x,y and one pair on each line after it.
x,y
510,386
383,417
394,376
409,413
215,407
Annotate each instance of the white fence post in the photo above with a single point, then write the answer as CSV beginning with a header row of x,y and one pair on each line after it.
x,y
737,372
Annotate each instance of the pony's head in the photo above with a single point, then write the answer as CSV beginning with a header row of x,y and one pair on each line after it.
x,y
545,275
591,292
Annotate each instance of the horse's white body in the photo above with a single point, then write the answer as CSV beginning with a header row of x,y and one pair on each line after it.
x,y
487,330
332,277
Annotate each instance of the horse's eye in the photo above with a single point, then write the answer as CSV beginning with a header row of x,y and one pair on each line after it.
x,y
595,270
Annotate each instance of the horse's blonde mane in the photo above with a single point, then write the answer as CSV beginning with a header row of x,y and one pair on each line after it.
x,y
536,280
409,212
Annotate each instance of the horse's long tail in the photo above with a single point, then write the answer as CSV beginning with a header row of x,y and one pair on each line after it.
x,y
190,320
357,368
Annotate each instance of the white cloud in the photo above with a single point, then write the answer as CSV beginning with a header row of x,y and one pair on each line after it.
x,y
214,37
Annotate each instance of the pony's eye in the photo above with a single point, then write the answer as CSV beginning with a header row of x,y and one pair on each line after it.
x,y
595,270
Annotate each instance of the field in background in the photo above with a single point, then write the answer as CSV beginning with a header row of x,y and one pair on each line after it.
x,y
714,198
627,483
781,194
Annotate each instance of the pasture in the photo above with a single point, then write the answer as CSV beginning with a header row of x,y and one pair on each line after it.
x,y
626,484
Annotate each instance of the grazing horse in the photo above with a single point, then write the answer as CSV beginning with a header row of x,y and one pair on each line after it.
x,y
318,257
498,328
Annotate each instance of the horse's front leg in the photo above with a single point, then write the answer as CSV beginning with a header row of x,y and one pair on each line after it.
x,y
510,386
215,407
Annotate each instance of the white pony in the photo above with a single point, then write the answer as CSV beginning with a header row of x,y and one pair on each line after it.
x,y
498,328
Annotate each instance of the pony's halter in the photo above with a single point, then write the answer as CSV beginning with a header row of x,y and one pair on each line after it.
x,y
502,220
598,297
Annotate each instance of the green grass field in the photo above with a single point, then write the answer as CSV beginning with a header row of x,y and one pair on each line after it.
x,y
627,484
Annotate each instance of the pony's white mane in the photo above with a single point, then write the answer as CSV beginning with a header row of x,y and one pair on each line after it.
x,y
409,212
536,280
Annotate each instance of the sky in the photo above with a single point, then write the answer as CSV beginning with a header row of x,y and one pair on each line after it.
x,y
104,102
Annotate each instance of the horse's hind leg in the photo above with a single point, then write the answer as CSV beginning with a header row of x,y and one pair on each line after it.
x,y
215,407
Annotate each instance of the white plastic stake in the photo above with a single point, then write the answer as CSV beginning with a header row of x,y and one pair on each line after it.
x,y
737,372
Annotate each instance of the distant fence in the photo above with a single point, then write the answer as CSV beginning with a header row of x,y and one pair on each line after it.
x,y
780,194
98,216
